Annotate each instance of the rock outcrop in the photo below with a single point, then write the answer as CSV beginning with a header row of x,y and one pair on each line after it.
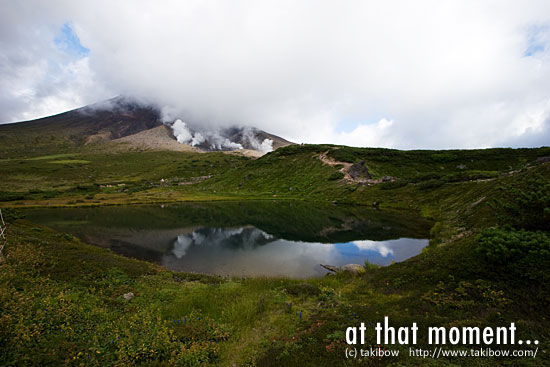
x,y
351,268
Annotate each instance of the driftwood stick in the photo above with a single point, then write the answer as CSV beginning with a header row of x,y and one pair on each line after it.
x,y
334,269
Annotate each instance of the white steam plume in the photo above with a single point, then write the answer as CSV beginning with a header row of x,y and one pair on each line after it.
x,y
181,132
265,146
185,135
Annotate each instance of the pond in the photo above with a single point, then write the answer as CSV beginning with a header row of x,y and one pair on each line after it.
x,y
257,238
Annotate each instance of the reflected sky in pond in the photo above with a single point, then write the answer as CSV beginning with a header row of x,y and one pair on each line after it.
x,y
251,251
246,238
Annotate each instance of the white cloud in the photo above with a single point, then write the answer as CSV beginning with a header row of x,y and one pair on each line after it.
x,y
381,247
373,135
423,74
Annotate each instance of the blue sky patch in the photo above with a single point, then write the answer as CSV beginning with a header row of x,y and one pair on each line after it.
x,y
536,40
347,125
67,41
533,48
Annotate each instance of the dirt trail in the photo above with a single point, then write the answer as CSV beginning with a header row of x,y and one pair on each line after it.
x,y
331,162
346,169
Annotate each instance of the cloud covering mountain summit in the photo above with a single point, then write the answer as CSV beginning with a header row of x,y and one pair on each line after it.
x,y
424,74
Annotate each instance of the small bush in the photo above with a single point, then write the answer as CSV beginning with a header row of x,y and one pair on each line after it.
x,y
470,175
50,194
435,233
390,185
10,214
522,253
525,204
85,187
344,155
305,289
426,176
370,266
430,184
382,158
443,157
336,176
11,196
295,149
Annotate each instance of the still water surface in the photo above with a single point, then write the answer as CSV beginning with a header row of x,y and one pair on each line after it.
x,y
253,238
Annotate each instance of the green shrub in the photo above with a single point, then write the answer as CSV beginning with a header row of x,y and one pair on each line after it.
x,y
10,214
517,252
295,149
443,157
470,175
435,233
382,158
371,266
390,185
430,184
336,176
86,187
50,194
426,176
344,155
12,196
525,204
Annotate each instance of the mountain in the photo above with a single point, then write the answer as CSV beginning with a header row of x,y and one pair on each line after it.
x,y
123,122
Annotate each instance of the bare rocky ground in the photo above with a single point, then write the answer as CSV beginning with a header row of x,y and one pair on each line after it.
x,y
158,138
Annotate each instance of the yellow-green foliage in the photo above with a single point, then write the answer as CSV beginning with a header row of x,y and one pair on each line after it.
x,y
70,161
44,321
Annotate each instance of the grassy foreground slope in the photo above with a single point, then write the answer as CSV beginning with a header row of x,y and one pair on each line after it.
x,y
61,300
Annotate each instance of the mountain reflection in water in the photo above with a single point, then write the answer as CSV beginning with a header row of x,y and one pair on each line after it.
x,y
251,251
246,238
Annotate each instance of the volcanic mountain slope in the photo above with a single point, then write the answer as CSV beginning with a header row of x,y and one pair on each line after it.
x,y
108,120
120,122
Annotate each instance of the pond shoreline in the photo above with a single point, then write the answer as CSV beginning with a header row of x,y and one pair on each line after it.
x,y
253,238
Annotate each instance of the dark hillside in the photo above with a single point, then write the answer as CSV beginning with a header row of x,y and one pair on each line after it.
x,y
109,120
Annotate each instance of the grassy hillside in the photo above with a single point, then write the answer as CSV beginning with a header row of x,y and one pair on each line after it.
x,y
293,172
297,171
86,176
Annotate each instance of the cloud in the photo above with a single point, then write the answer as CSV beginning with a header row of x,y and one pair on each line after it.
x,y
381,247
44,69
368,134
424,74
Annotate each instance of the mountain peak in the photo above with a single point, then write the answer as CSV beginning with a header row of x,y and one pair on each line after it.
x,y
122,118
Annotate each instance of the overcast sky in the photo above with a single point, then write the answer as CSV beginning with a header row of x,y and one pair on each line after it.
x,y
401,74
